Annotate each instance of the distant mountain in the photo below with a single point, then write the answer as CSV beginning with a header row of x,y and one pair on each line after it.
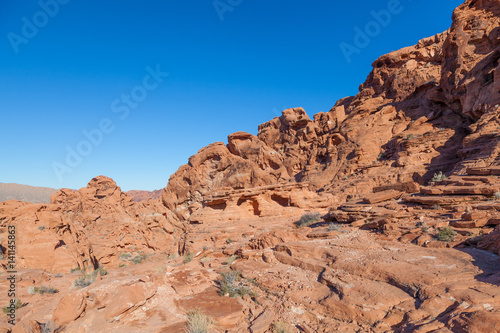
x,y
26,193
139,196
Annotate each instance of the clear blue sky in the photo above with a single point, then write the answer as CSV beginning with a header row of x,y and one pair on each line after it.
x,y
224,76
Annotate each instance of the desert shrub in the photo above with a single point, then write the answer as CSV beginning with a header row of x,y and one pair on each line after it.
x,y
17,305
231,259
42,290
50,327
84,281
446,234
188,257
334,227
198,322
409,136
100,270
497,195
280,327
308,219
231,284
438,177
41,227
138,259
436,207
125,256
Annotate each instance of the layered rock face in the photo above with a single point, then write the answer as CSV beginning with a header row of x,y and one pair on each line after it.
x,y
384,250
423,109
87,228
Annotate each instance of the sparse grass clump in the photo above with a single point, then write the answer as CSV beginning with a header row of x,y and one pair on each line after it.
x,y
229,240
125,256
231,259
231,284
334,227
84,281
138,259
198,322
17,305
188,257
88,278
446,234
308,219
280,327
42,290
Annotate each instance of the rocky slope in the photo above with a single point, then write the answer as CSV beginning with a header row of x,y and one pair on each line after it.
x,y
139,196
381,250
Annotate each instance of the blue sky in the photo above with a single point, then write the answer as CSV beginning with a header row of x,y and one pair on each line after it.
x,y
231,64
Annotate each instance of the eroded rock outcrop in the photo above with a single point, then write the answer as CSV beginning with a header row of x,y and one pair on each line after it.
x,y
87,228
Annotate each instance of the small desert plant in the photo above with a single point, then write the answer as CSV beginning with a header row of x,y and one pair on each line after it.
x,y
307,219
172,256
74,270
231,259
50,327
17,305
334,227
497,195
231,284
100,271
436,207
138,259
198,322
188,257
409,136
84,281
438,177
125,256
229,240
41,290
41,227
280,327
446,234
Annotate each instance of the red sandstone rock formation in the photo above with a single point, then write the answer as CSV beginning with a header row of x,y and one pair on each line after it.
x,y
407,257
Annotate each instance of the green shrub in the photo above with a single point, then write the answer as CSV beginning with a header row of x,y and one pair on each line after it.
x,y
446,234
334,227
231,284
229,240
138,259
231,259
188,257
41,290
198,322
17,305
308,219
84,281
41,227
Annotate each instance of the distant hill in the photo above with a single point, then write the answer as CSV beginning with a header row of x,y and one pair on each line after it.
x,y
138,196
26,193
